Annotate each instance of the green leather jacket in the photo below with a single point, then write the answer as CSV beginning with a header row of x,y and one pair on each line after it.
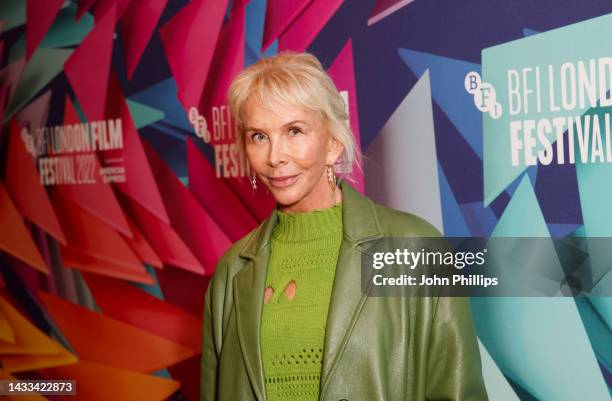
x,y
376,348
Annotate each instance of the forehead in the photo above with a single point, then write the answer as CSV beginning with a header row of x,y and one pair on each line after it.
x,y
276,113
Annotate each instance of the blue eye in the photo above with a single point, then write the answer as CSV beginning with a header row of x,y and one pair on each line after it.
x,y
257,137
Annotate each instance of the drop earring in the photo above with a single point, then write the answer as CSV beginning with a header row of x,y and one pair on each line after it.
x,y
331,176
254,181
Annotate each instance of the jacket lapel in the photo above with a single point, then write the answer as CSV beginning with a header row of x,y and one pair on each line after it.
x,y
360,224
248,297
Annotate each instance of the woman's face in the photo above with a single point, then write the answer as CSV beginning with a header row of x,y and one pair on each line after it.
x,y
289,149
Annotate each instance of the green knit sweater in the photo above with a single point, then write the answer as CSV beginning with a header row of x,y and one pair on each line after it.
x,y
304,249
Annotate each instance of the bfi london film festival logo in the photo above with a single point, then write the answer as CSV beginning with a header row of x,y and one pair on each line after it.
x,y
229,160
485,97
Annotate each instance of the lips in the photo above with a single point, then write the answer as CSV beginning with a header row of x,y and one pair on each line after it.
x,y
284,181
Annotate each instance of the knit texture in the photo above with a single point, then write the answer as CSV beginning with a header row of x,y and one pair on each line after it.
x,y
304,249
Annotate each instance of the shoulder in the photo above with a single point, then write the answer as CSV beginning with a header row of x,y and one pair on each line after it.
x,y
395,222
228,263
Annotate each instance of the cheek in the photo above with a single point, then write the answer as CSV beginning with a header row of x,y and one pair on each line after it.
x,y
308,152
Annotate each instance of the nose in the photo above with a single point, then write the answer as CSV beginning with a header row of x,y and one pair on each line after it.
x,y
277,154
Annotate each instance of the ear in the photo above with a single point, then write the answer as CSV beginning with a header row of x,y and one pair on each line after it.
x,y
334,149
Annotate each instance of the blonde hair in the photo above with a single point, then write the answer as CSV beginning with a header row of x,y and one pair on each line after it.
x,y
296,79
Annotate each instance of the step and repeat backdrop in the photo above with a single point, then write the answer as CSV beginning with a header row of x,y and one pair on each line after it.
x,y
122,185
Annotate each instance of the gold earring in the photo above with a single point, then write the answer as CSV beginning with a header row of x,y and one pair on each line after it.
x,y
331,176
254,181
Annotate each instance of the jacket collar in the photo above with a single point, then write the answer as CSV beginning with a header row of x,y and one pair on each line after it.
x,y
360,224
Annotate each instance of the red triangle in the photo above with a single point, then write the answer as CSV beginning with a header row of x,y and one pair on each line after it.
x,y
164,240
193,224
93,237
23,183
88,67
74,258
14,236
101,339
131,305
142,248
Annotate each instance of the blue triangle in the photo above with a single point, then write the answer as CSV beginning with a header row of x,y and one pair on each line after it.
x,y
447,76
454,224
163,96
562,230
481,220
532,172
529,32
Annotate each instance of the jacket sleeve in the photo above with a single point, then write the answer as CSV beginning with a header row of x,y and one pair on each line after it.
x,y
209,359
454,371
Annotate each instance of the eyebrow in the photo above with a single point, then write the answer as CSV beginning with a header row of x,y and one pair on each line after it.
x,y
284,125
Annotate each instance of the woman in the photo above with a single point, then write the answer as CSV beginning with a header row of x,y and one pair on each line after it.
x,y
285,317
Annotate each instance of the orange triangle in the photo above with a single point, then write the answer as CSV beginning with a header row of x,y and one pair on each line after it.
x,y
97,338
28,339
75,258
98,382
23,183
24,363
97,198
92,236
5,375
6,330
14,236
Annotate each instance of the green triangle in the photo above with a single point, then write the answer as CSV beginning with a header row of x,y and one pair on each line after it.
x,y
144,115
66,30
44,65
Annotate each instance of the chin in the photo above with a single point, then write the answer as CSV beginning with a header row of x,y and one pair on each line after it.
x,y
286,197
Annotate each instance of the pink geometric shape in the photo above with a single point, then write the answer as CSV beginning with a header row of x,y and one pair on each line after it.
x,y
23,183
216,197
279,16
300,34
228,61
384,8
137,25
189,40
97,198
140,184
40,15
88,67
194,225
35,114
342,73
